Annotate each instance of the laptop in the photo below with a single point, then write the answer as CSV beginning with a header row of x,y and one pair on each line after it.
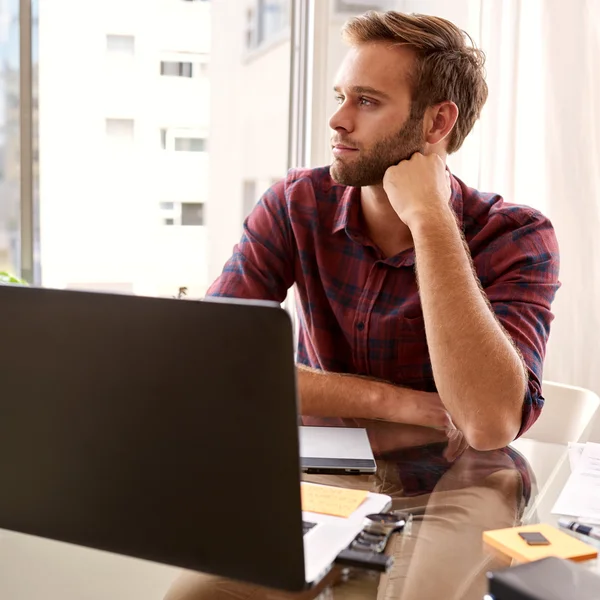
x,y
338,450
162,429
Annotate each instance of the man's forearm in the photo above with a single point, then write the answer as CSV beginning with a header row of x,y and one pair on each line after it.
x,y
351,396
478,372
339,395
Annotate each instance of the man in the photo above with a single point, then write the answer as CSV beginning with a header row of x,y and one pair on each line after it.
x,y
420,300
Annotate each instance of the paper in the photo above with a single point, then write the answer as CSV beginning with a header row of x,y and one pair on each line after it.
x,y
581,495
329,500
575,451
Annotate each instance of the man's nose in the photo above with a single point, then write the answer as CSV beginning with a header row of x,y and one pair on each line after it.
x,y
342,119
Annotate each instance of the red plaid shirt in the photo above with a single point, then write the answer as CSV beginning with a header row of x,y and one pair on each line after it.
x,y
359,312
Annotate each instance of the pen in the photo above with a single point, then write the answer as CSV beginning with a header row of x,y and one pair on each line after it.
x,y
593,532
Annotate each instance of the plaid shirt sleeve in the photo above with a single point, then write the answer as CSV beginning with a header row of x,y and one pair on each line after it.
x,y
520,268
262,264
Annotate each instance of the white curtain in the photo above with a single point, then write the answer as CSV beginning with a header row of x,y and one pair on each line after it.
x,y
539,144
571,35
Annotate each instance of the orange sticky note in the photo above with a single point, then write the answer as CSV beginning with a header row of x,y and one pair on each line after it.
x,y
330,500
561,544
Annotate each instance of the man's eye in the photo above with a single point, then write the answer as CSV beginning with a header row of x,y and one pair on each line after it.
x,y
365,102
339,99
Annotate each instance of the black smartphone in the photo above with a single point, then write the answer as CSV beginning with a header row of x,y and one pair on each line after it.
x,y
534,538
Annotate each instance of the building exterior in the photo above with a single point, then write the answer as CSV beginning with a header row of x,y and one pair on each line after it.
x,y
123,144
9,137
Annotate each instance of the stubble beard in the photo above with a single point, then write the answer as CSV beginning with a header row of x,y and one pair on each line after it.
x,y
369,168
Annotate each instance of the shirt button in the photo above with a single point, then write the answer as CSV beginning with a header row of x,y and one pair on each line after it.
x,y
360,326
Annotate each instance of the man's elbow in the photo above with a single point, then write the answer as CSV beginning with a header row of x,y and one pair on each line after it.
x,y
485,441
498,433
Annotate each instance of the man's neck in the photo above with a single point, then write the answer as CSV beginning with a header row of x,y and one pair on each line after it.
x,y
383,225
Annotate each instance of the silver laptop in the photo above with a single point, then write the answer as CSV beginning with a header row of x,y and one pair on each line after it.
x,y
138,426
341,450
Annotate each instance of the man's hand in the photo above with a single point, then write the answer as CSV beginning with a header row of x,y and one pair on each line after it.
x,y
402,405
418,187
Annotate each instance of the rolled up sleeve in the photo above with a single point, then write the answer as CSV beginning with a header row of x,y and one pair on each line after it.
x,y
522,269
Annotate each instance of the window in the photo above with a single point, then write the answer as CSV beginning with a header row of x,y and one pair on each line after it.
x,y
250,31
10,142
120,44
192,214
176,68
200,69
189,144
182,213
352,7
138,144
120,130
249,196
272,18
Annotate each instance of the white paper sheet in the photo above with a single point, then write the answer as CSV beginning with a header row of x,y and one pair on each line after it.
x,y
581,495
575,450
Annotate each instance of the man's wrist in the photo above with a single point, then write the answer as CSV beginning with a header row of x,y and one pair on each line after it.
x,y
389,397
424,223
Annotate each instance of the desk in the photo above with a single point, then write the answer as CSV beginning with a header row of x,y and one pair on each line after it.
x,y
454,502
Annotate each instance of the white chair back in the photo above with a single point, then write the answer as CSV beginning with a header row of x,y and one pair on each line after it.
x,y
567,416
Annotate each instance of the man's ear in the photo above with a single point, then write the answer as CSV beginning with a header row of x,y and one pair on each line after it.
x,y
439,122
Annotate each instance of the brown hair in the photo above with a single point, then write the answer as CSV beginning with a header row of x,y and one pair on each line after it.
x,y
448,66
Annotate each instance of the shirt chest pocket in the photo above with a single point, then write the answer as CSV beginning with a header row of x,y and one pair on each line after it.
x,y
413,365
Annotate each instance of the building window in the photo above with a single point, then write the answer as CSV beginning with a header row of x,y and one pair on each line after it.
x,y
250,31
355,7
248,196
176,68
192,214
169,221
120,130
167,205
120,44
273,17
267,22
190,144
200,69
163,139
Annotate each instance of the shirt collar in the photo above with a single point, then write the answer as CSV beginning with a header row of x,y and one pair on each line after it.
x,y
347,213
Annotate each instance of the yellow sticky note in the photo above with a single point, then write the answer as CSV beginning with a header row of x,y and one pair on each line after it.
x,y
329,500
561,544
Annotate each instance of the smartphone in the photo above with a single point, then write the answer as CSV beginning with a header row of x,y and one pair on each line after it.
x,y
534,538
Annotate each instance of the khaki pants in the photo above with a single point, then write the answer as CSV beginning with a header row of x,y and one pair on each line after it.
x,y
442,558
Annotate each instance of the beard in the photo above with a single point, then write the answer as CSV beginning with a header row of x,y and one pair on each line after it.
x,y
370,167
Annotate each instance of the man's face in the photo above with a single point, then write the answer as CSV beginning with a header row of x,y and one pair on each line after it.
x,y
372,128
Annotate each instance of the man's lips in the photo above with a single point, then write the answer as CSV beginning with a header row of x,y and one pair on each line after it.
x,y
341,150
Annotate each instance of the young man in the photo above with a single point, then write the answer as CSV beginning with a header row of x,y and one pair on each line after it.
x,y
420,300
385,285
